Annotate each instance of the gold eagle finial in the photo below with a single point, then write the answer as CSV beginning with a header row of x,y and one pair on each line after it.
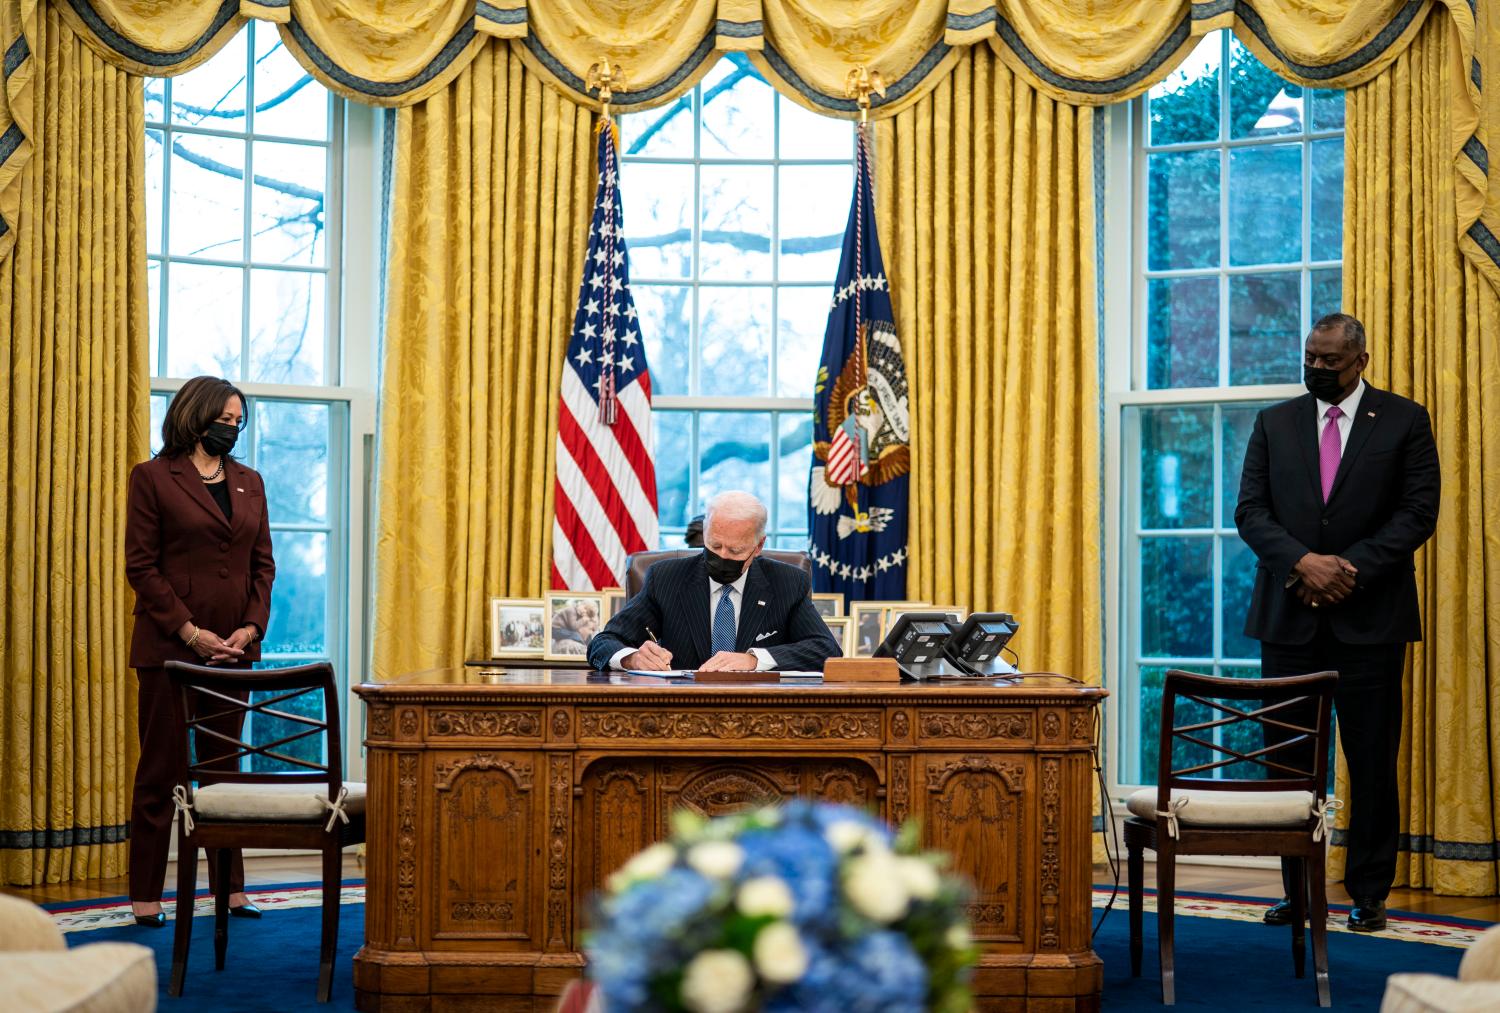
x,y
859,83
606,78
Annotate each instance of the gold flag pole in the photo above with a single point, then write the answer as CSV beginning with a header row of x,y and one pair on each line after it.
x,y
858,84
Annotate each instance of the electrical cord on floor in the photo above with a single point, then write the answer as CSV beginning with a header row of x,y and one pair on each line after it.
x,y
1107,813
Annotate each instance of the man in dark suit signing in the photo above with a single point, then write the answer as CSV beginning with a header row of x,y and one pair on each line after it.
x,y
1340,487
723,610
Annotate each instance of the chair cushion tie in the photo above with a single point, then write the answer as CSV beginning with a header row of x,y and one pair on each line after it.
x,y
184,807
1170,815
336,808
1323,812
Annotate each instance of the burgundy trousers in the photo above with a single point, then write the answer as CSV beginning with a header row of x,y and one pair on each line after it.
x,y
160,722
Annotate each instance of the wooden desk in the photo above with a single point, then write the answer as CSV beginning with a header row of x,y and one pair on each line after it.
x,y
499,800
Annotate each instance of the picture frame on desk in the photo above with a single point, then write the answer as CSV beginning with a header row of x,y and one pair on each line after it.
x,y
614,600
572,618
829,604
867,625
518,627
839,627
954,613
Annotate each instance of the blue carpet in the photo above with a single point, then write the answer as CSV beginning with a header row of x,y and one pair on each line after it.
x,y
1221,964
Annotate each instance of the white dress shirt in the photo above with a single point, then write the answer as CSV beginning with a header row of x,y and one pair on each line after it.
x,y
763,659
1348,406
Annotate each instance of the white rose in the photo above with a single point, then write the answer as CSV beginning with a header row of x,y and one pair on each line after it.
x,y
920,878
717,981
846,835
649,864
716,859
958,938
874,885
765,895
780,956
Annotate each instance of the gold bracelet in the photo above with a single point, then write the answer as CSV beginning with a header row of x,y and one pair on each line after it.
x,y
197,631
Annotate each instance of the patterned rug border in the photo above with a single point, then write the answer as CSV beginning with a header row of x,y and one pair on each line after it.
x,y
114,912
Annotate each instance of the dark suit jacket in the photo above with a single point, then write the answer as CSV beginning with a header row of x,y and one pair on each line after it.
x,y
185,560
1383,505
776,613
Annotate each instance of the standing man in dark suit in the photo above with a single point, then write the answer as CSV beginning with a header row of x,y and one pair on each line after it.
x,y
1340,487
727,609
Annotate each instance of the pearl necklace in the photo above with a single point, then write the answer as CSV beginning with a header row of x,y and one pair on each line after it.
x,y
217,471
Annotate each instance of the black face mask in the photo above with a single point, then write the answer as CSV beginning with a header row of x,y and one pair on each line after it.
x,y
1324,384
724,571
219,439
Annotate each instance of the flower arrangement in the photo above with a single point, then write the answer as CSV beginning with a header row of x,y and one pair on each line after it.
x,y
806,906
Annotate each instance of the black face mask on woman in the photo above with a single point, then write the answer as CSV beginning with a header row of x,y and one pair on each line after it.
x,y
724,571
1323,384
219,439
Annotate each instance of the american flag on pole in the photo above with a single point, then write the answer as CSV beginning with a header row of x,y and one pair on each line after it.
x,y
605,503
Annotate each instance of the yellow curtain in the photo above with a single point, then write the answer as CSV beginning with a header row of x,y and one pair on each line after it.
x,y
985,205
1434,326
73,415
494,179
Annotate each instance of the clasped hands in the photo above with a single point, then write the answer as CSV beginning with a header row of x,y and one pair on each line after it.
x,y
1324,580
653,657
211,647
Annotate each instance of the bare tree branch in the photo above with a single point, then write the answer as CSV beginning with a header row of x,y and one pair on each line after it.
x,y
751,242
269,182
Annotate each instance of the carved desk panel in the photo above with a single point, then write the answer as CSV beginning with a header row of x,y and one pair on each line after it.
x,y
499,800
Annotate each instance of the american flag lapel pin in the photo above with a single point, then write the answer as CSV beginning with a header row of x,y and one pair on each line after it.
x,y
1371,414
760,603
238,489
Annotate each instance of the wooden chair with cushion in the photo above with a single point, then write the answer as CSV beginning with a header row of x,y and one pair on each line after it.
x,y
637,563
1252,727
308,807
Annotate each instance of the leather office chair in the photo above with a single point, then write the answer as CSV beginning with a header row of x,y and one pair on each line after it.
x,y
637,563
229,808
1274,806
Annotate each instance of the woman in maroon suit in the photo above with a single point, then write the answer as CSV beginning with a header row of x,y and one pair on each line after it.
x,y
198,554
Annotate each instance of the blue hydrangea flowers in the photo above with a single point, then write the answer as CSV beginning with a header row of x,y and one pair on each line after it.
x,y
806,906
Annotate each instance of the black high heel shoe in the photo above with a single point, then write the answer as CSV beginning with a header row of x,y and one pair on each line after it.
x,y
246,910
156,921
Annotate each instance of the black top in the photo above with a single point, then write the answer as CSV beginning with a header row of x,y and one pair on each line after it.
x,y
220,493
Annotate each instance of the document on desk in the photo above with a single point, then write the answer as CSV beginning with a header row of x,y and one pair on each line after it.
x,y
768,676
671,673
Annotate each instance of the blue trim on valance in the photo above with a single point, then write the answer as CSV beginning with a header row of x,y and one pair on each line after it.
x,y
227,11
383,89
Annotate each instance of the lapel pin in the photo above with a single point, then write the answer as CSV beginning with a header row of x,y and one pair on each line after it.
x,y
760,603
1371,414
238,489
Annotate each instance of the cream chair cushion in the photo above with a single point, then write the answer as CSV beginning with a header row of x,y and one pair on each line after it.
x,y
24,926
41,974
1434,993
293,803
1482,961
1229,808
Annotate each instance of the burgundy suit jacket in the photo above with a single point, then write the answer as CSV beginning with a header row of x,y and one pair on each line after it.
x,y
186,560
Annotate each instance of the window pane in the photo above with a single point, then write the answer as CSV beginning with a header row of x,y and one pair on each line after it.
x,y
153,313
666,313
801,319
203,320
734,333
1265,204
1236,422
287,326
1239,580
806,134
1182,332
1185,106
1327,194
814,210
658,219
208,197
213,95
265,729
1148,755
794,433
156,99
1327,108
736,242
1265,317
291,451
288,103
666,132
1183,208
1327,292
792,543
734,453
1177,449
674,458
1177,587
737,111
155,163
299,597
291,181
158,416
1261,104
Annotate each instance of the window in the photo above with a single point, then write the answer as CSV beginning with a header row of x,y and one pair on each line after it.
x,y
1236,181
244,245
735,204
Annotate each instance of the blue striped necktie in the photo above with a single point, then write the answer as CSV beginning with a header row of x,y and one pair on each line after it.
x,y
724,621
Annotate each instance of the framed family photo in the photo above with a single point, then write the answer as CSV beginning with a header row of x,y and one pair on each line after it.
x,y
517,628
829,604
867,625
839,627
572,618
894,612
614,600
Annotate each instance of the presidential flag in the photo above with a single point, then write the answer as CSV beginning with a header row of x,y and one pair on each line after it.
x,y
605,502
861,422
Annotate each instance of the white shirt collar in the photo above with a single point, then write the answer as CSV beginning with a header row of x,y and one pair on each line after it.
x,y
739,585
1349,406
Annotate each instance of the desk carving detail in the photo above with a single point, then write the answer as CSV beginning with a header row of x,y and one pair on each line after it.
x,y
939,725
406,848
728,725
485,724
448,772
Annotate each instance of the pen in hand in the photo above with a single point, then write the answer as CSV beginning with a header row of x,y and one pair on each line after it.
x,y
650,633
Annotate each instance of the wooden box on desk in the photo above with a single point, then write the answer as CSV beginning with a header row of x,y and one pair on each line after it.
x,y
861,670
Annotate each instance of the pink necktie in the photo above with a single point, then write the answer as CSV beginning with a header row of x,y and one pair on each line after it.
x,y
1330,449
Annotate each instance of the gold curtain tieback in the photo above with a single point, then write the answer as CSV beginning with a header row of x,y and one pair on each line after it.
x,y
1323,813
336,808
1171,815
184,807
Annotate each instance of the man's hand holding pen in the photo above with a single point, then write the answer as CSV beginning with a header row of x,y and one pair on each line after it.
x,y
650,657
